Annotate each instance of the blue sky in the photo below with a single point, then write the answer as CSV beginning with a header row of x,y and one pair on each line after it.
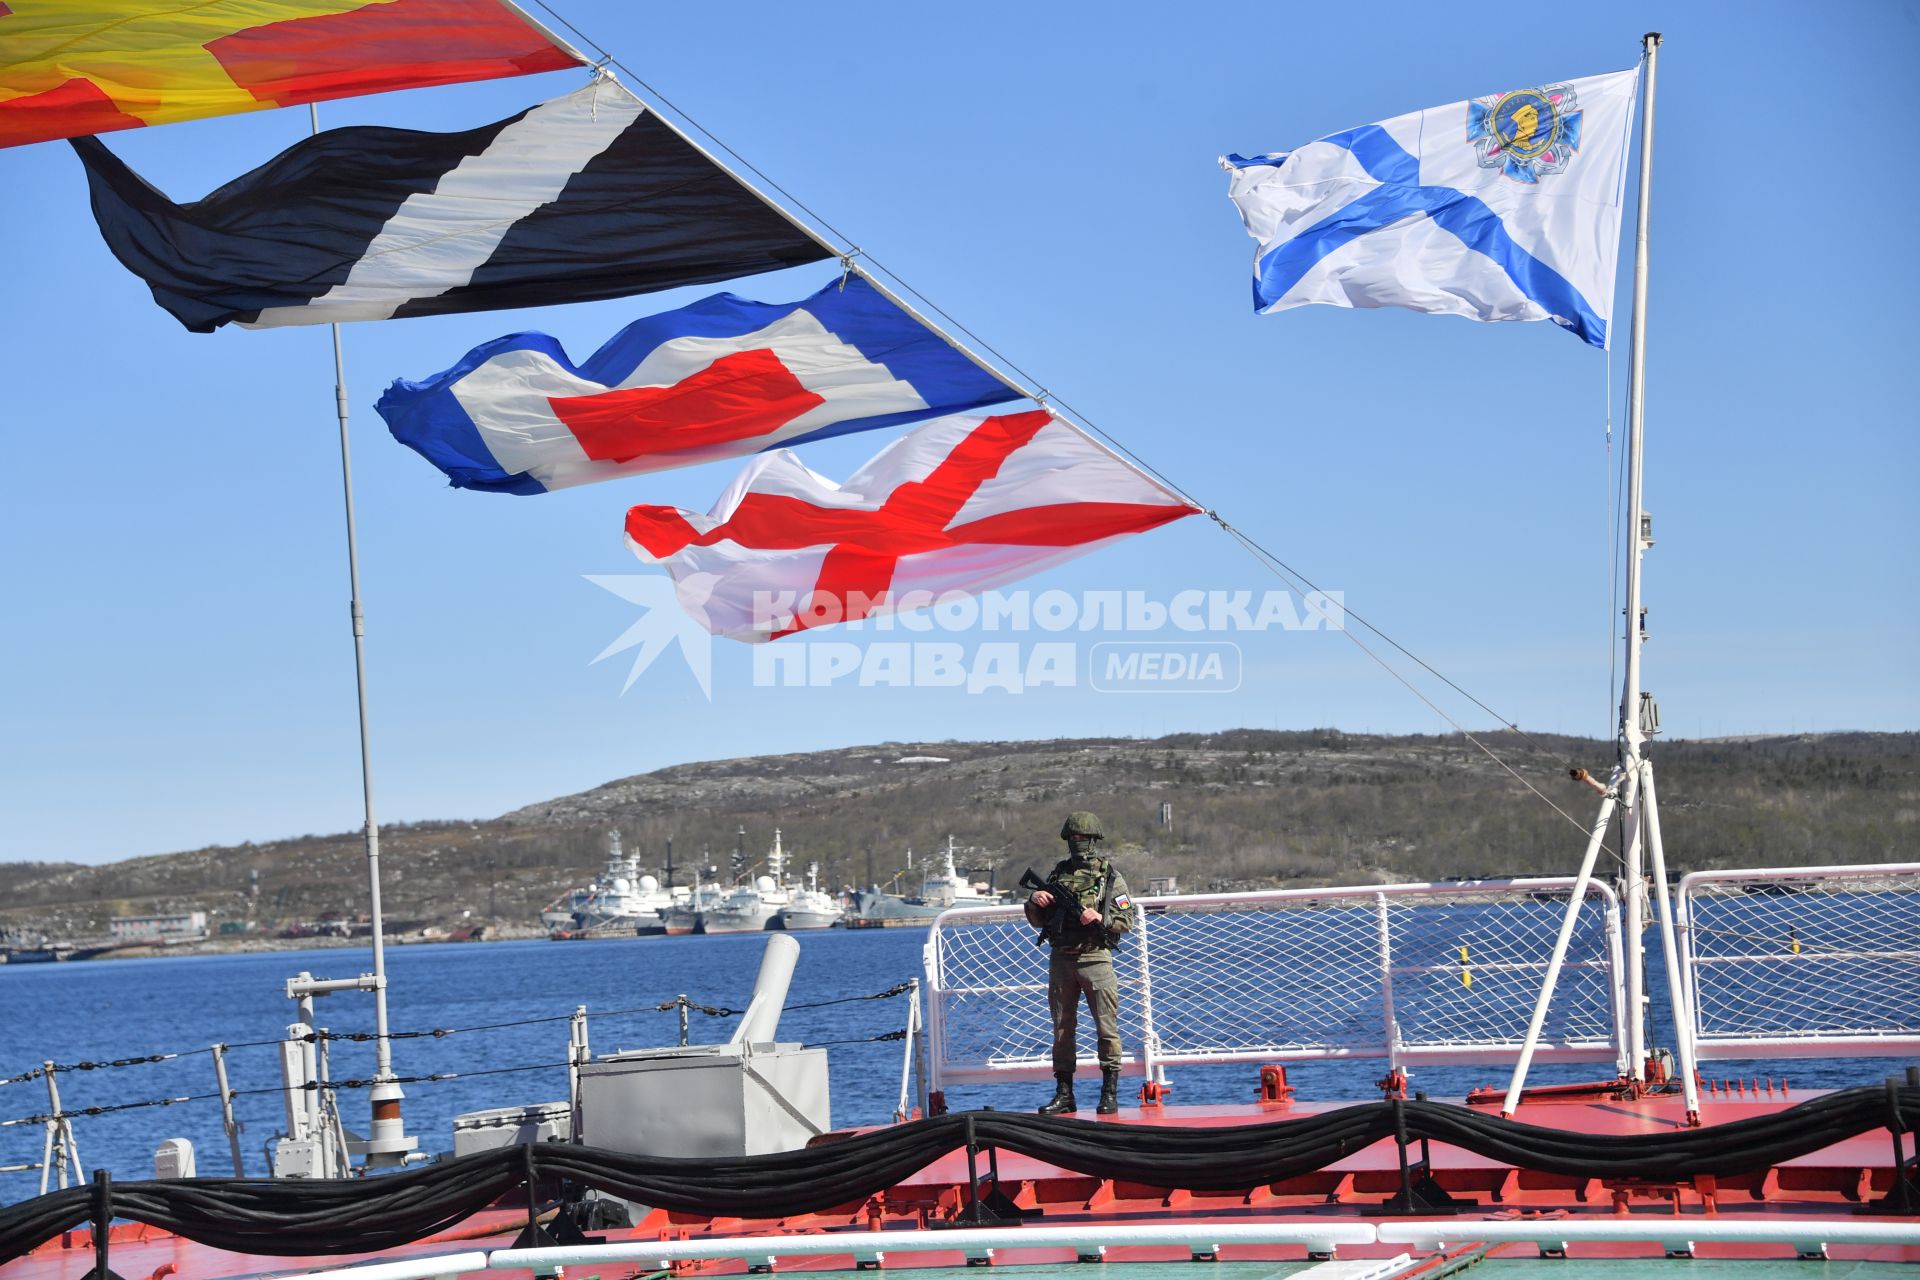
x,y
178,664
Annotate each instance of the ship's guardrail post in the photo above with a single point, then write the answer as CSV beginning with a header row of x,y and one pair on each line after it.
x,y
579,1055
1149,1034
227,1120
1616,946
910,1052
933,961
1389,1028
920,1051
332,1131
61,1153
47,1142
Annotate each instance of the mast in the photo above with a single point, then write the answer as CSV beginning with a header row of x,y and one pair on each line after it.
x,y
387,1141
1639,715
1632,729
1624,789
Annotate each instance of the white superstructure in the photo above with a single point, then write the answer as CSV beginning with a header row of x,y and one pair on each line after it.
x,y
751,907
809,908
621,901
946,887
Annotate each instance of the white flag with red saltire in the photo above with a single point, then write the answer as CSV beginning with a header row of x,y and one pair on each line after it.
x,y
963,503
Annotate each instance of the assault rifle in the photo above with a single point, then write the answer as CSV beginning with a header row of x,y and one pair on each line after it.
x,y
1065,912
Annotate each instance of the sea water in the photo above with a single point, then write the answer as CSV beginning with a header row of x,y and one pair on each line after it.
x,y
75,1012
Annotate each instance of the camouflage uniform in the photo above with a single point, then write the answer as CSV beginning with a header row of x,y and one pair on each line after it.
x,y
1082,961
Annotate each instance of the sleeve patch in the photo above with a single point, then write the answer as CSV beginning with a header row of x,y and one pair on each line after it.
x,y
1122,901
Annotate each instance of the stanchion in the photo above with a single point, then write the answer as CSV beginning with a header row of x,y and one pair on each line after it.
x,y
993,1209
102,1225
1900,1196
536,1235
1417,1195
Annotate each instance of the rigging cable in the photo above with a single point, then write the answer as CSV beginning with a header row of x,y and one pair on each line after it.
x,y
897,989
321,1034
1278,566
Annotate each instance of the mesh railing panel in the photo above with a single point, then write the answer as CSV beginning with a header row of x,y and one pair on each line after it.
x,y
1296,977
1508,942
1793,958
992,1006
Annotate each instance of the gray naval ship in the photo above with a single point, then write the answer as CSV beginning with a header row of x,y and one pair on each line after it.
x,y
942,887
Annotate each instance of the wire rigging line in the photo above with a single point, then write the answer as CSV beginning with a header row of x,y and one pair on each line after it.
x,y
1030,387
897,989
665,1006
438,1077
319,1035
1279,569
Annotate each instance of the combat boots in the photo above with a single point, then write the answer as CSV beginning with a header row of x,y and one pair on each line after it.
x,y
1109,1092
1062,1102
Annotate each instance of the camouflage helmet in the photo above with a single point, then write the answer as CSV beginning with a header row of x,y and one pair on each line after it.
x,y
1082,823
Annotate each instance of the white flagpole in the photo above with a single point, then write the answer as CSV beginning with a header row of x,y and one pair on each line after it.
x,y
387,1143
1624,788
1632,732
1638,717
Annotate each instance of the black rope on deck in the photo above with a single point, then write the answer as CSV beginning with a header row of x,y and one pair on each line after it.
x,y
325,1216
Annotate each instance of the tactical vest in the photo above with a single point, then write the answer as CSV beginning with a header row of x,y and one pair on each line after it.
x,y
1088,881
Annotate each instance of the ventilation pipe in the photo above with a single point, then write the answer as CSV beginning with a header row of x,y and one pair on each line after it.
x,y
762,1019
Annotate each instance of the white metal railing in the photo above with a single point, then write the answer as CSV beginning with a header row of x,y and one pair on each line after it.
x,y
1807,1237
1412,973
428,1268
1801,961
872,1247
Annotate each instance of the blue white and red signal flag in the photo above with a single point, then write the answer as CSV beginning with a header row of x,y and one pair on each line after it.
x,y
959,504
720,378
1500,208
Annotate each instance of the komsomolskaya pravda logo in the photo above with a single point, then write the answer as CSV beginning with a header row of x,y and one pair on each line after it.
x,y
1526,133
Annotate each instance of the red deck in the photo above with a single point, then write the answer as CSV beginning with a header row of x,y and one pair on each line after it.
x,y
1837,1181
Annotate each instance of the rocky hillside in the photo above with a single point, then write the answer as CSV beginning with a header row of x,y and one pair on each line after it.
x,y
1249,808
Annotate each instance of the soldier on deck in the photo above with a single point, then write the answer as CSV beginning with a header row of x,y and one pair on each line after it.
x,y
1082,938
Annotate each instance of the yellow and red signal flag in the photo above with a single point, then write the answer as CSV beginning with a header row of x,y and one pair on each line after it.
x,y
73,67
